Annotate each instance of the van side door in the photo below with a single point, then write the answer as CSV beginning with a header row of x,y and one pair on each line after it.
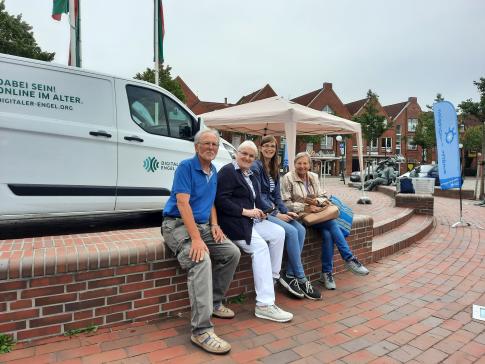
x,y
155,134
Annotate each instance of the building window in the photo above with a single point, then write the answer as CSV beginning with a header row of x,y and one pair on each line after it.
x,y
412,124
398,139
411,145
386,144
236,140
326,142
328,110
309,148
374,145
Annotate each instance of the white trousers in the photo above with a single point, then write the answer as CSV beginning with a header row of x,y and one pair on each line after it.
x,y
266,250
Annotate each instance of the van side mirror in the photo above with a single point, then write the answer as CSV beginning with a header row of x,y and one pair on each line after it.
x,y
197,125
195,129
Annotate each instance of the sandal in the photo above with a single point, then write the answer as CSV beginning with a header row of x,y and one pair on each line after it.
x,y
211,343
223,312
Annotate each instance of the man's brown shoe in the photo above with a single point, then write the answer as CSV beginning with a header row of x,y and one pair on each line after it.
x,y
211,343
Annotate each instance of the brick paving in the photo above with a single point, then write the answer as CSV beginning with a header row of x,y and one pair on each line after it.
x,y
414,307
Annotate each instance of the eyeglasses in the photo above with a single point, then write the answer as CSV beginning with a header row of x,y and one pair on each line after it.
x,y
210,144
246,154
268,146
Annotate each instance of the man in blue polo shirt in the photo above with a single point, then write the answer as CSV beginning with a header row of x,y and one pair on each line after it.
x,y
191,231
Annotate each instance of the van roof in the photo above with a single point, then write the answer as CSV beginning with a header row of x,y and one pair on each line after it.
x,y
59,66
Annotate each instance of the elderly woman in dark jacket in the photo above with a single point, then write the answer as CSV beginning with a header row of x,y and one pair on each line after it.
x,y
266,170
238,205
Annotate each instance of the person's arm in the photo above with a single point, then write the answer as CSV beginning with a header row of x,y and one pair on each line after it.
x,y
216,230
287,195
277,197
198,247
282,211
263,201
226,184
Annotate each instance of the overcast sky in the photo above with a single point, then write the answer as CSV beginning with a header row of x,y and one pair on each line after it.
x,y
228,48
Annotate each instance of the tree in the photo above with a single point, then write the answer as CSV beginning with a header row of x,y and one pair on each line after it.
x,y
17,38
425,135
165,80
438,98
373,124
477,109
472,138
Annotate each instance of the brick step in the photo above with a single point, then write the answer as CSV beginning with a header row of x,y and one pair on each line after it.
x,y
411,231
392,222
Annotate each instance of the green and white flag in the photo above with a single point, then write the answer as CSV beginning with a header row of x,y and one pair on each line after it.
x,y
160,31
60,7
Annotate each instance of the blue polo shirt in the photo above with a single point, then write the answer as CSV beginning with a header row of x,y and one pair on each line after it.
x,y
191,179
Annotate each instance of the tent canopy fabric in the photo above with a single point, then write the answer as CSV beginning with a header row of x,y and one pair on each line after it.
x,y
279,117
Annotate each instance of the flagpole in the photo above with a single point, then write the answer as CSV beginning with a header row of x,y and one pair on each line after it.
x,y
72,28
78,35
157,59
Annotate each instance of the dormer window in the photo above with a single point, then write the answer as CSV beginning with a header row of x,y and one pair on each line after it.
x,y
328,110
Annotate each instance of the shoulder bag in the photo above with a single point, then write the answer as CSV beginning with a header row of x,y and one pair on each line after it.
x,y
329,212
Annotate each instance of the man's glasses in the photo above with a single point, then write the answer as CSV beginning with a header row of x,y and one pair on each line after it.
x,y
210,144
246,154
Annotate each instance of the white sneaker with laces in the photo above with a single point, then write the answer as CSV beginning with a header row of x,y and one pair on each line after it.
x,y
273,313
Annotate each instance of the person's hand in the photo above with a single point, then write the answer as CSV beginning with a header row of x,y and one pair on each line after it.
x,y
217,234
292,214
315,208
284,217
311,201
197,250
254,213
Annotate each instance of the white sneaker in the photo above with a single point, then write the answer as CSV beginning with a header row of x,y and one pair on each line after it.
x,y
273,313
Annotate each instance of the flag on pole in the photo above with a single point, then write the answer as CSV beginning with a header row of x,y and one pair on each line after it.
x,y
62,7
160,30
59,7
446,128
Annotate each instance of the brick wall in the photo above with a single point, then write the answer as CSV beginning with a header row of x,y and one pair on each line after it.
x,y
422,204
60,299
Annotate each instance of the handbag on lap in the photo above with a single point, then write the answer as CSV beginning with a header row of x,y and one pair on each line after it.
x,y
329,212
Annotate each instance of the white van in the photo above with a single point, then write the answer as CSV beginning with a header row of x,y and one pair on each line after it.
x,y
79,142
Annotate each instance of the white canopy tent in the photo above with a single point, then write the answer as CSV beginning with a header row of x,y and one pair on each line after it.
x,y
279,117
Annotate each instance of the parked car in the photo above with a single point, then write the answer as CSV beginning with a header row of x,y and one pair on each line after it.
x,y
425,171
369,173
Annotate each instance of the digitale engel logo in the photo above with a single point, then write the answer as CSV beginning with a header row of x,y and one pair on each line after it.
x,y
151,164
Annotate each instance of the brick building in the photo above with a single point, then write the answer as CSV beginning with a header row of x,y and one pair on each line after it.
x,y
404,116
397,140
374,150
327,151
195,104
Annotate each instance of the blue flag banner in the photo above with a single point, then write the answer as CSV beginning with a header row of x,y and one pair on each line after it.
x,y
285,156
446,126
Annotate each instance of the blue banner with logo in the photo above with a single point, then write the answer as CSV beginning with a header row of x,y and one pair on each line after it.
x,y
285,156
446,126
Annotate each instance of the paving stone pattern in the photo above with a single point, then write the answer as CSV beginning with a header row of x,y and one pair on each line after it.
x,y
414,307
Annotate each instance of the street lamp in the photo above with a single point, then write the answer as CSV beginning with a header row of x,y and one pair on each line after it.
x,y
341,145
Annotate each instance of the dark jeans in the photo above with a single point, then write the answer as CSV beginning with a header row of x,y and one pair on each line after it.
x,y
331,235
